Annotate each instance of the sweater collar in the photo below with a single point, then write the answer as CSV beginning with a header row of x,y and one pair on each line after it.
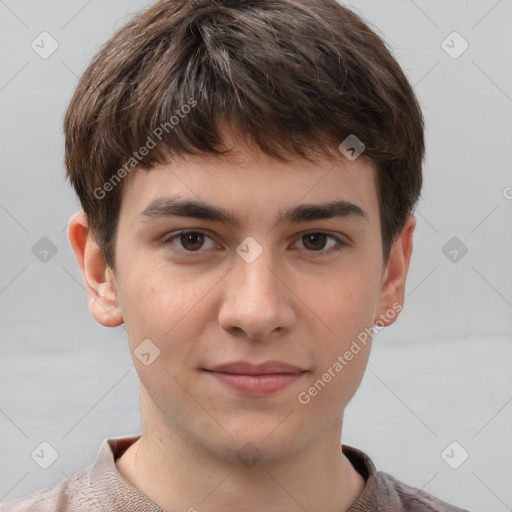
x,y
117,494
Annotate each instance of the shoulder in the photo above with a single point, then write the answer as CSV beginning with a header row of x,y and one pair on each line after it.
x,y
392,491
385,493
97,487
74,493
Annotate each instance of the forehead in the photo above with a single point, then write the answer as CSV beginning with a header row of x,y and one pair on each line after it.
x,y
253,185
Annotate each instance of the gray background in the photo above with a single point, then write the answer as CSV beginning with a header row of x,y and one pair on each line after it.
x,y
442,373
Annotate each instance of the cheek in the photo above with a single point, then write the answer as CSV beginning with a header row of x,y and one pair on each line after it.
x,y
344,305
346,308
170,309
167,310
338,372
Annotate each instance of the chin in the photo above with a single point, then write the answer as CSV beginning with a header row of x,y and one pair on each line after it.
x,y
252,445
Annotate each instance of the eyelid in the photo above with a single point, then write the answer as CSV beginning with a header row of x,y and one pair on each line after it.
x,y
342,241
334,234
170,237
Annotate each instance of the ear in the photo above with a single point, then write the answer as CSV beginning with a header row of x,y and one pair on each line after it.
x,y
393,281
99,279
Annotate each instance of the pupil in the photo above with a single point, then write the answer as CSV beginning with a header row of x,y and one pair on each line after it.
x,y
314,236
189,238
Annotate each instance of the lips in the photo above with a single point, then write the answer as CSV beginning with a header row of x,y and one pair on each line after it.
x,y
245,368
257,380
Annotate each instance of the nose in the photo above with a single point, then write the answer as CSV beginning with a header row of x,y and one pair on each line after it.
x,y
259,301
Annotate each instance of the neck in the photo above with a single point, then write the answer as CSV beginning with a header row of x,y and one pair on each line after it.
x,y
177,474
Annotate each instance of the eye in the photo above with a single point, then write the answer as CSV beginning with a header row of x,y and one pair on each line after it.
x,y
190,241
315,241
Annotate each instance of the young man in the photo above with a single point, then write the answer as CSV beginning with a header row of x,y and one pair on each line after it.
x,y
248,172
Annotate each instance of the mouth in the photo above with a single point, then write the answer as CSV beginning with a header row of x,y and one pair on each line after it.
x,y
257,380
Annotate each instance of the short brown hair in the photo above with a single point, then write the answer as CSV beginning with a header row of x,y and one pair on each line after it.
x,y
295,77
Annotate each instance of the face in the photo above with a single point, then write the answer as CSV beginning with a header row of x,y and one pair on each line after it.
x,y
293,295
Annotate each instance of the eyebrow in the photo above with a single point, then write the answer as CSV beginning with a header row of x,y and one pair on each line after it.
x,y
169,207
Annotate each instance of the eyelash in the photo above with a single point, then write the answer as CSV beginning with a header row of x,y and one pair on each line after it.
x,y
166,242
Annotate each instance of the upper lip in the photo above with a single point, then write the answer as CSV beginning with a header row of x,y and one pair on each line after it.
x,y
246,368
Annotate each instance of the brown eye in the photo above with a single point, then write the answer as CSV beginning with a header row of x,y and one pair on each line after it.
x,y
188,242
315,241
192,240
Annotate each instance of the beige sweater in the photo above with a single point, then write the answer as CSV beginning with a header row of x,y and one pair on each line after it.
x,y
101,488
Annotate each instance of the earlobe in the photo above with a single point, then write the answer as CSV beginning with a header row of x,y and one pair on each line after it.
x,y
99,280
393,287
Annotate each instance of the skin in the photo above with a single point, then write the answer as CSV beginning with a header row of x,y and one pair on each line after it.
x,y
300,302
